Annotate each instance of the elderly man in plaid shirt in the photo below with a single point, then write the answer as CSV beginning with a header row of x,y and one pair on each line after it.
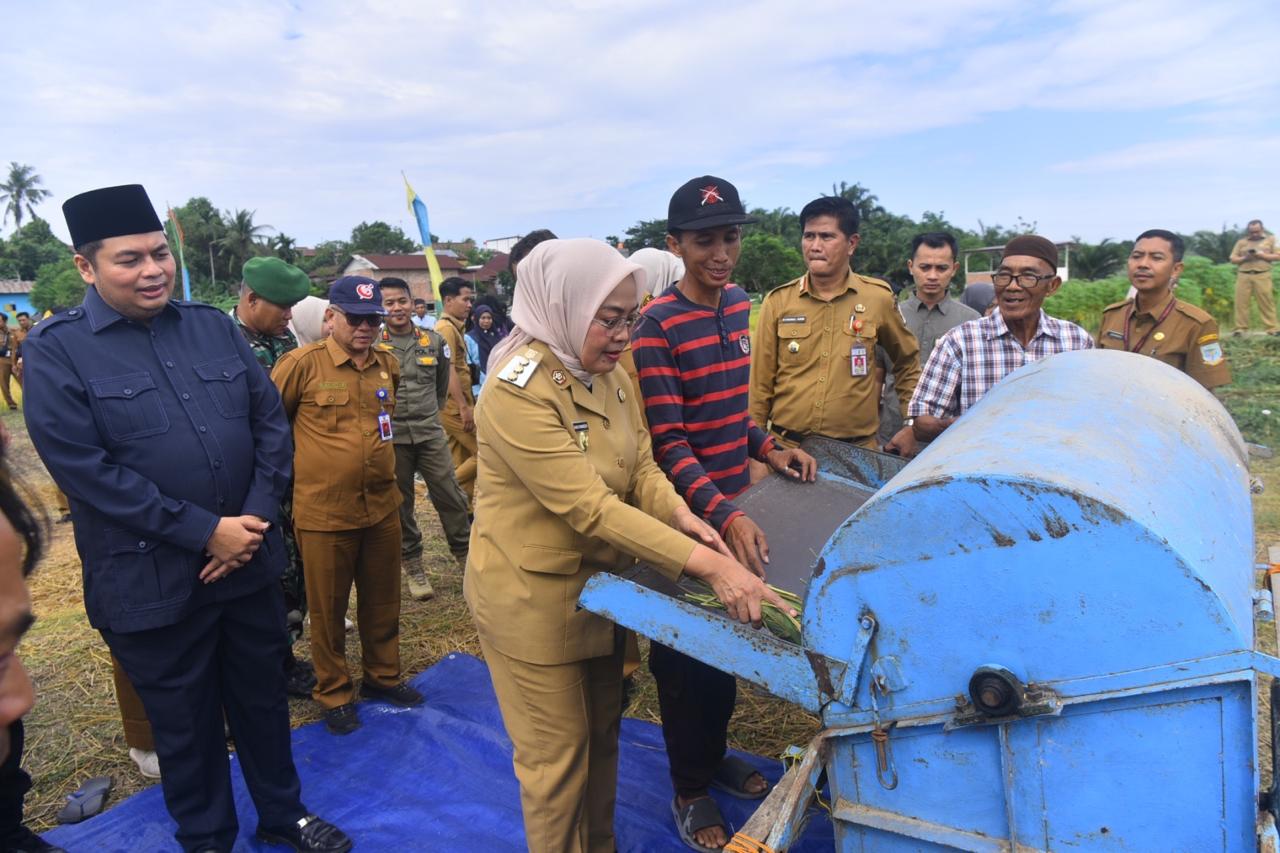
x,y
973,356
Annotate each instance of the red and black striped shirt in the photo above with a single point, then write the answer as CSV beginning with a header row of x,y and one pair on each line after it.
x,y
694,365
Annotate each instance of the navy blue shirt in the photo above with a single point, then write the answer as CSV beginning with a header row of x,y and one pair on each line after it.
x,y
154,431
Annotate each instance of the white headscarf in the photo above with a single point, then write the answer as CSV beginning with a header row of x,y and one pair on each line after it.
x,y
562,285
308,319
661,269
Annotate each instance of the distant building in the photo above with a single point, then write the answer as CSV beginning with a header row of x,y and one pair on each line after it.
x,y
502,244
15,296
487,273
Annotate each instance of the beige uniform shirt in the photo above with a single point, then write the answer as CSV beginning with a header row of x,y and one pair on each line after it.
x,y
806,375
344,473
452,332
1187,338
1253,265
566,487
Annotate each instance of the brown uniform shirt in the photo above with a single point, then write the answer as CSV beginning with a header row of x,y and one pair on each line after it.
x,y
802,371
1187,338
452,332
17,336
344,474
1253,265
566,487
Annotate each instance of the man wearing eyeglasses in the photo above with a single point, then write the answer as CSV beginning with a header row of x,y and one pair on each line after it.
x,y
340,394
974,356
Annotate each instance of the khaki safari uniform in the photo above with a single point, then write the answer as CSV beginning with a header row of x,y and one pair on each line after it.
x,y
567,487
813,371
462,444
420,443
15,351
344,508
1253,279
1175,332
8,358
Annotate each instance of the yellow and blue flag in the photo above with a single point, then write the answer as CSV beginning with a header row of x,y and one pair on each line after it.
x,y
419,210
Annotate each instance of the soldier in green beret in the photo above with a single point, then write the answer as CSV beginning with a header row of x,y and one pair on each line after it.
x,y
269,290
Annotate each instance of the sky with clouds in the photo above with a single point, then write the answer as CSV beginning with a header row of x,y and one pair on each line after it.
x,y
1096,118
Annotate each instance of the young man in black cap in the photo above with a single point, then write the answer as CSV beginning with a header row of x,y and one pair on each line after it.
x,y
693,356
155,419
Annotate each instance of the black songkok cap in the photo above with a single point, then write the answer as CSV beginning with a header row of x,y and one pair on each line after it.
x,y
110,212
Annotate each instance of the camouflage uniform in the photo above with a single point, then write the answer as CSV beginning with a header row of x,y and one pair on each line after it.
x,y
268,351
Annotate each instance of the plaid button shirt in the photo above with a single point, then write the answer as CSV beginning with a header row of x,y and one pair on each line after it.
x,y
975,355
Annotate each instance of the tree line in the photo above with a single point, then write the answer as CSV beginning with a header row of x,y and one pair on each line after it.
x,y
217,242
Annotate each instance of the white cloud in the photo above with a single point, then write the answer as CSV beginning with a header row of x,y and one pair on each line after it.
x,y
507,115
1204,153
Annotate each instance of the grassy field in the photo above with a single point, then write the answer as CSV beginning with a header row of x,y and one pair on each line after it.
x,y
74,731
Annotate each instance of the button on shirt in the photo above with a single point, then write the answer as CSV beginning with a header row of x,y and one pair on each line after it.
x,y
974,356
424,382
155,430
344,473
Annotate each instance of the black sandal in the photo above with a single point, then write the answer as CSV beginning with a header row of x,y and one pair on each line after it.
x,y
696,815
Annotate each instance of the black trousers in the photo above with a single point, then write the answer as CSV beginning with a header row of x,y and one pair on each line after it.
x,y
14,784
696,702
222,656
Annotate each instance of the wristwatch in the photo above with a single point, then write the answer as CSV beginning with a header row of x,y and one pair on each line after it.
x,y
911,422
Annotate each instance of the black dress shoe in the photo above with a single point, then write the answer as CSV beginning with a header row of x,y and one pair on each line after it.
x,y
23,840
401,694
310,834
342,720
298,682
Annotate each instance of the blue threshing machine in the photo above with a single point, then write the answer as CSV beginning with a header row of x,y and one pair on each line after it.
x,y
1037,635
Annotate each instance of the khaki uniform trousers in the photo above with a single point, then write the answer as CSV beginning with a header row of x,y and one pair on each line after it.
x,y
563,721
431,459
462,446
332,560
137,729
1257,285
6,374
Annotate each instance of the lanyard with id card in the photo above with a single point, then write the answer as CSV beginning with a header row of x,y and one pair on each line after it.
x,y
858,353
384,418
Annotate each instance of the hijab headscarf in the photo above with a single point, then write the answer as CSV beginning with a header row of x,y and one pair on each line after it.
x,y
501,321
485,339
563,283
661,269
308,320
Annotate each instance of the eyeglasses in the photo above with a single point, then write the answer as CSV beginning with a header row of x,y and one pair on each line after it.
x,y
625,322
1026,280
373,321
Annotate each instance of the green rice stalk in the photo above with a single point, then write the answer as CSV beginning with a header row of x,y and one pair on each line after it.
x,y
780,623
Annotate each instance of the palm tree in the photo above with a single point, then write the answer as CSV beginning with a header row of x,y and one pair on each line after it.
x,y
285,248
21,190
239,238
1096,262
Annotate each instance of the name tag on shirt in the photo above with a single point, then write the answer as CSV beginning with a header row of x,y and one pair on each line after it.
x,y
384,426
858,360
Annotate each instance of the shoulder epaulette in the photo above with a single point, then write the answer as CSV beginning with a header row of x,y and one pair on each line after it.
x,y
1115,305
792,283
1195,312
879,282
68,316
519,369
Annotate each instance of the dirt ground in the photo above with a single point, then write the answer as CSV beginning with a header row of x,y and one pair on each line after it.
x,y
74,731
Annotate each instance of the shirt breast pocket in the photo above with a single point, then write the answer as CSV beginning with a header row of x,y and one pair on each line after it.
x,y
131,406
224,380
793,346
331,403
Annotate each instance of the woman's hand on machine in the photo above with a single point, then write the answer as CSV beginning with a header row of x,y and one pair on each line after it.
x,y
698,530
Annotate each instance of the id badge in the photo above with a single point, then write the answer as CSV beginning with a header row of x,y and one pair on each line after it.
x,y
384,426
858,360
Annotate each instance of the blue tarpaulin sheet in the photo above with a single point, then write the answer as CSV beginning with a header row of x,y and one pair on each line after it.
x,y
438,777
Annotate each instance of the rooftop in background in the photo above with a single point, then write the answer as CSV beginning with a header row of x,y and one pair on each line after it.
x,y
994,252
13,285
417,261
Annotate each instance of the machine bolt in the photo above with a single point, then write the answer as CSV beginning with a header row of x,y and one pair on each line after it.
x,y
865,622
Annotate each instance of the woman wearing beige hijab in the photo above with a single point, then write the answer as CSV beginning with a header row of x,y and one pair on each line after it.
x,y
567,487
